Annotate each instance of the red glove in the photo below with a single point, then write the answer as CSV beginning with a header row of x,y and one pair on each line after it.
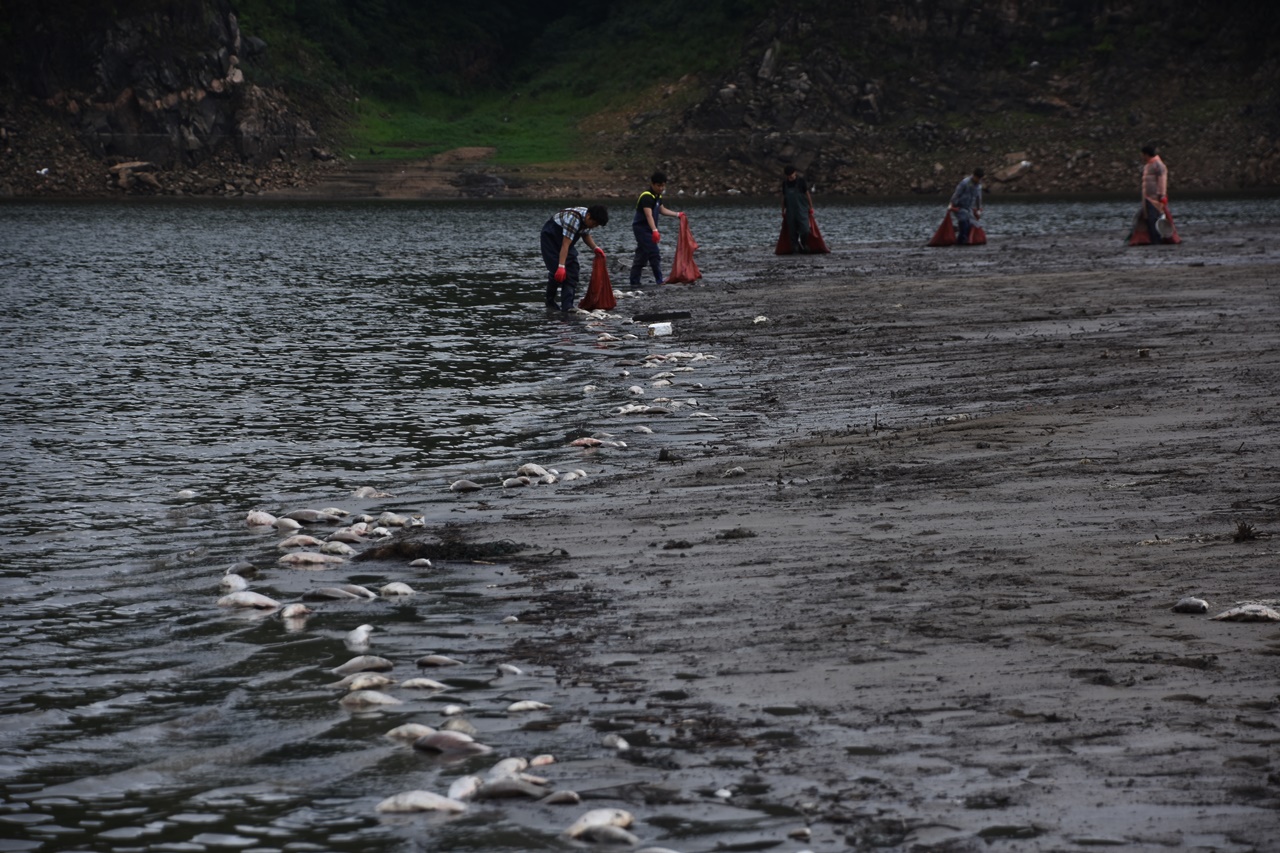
x,y
656,236
599,251
559,276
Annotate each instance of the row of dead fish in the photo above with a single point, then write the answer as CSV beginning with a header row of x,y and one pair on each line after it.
x,y
528,474
1244,611
366,682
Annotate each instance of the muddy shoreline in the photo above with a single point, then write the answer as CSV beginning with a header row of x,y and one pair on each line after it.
x,y
933,611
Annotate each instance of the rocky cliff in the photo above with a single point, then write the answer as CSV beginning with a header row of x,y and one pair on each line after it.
x,y
153,101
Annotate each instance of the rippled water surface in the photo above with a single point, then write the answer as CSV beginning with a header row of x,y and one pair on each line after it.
x,y
275,357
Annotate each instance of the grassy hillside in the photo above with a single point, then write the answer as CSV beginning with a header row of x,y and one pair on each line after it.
x,y
409,79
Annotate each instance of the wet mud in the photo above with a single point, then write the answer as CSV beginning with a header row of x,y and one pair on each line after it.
x,y
933,610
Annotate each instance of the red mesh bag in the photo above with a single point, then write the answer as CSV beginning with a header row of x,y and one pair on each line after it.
x,y
684,270
817,245
1139,235
946,233
600,289
977,237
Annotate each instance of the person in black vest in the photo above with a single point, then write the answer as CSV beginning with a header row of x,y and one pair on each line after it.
x,y
645,226
797,204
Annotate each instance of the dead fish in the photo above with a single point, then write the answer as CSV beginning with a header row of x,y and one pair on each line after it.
x,y
508,767
420,801
244,570
617,742
305,559
370,492
586,442
635,391
410,731
233,583
299,540
287,524
313,516
421,563
342,549
396,588
1248,613
368,699
509,669
363,681
598,818
510,620
464,787
364,663
510,786
529,469
253,600
423,684
542,760
438,660
258,518
329,593
609,835
358,591
450,742
459,724
338,511
357,639
515,482
348,535
391,519
562,798
185,494
295,611
1191,605
735,472
527,705
452,710
465,486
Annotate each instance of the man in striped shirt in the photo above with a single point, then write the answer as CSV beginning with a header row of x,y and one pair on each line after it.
x,y
559,236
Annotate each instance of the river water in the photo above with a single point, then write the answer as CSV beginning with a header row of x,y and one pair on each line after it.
x,y
170,367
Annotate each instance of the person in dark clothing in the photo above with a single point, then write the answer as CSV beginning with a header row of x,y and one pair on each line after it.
x,y
797,204
645,225
966,204
559,236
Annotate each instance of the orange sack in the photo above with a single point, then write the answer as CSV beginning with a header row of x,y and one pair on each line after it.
x,y
600,289
946,233
1139,237
683,269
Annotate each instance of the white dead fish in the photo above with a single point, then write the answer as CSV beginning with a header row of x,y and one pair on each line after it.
x,y
450,742
364,663
1248,613
1191,605
358,591
244,598
333,510
233,582
391,519
295,611
509,669
465,486
423,684
635,391
258,518
313,516
185,494
465,787
421,563
506,787
396,588
357,639
598,818
438,660
370,492
590,389
368,699
420,801
452,710
342,549
562,798
350,535
363,681
529,469
515,482
586,441
527,705
735,472
330,593
760,318
410,731
614,835
299,540
542,760
510,620
613,741
459,724
287,524
507,767
306,559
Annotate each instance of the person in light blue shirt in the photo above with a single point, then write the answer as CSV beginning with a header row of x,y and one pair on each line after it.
x,y
966,203
559,236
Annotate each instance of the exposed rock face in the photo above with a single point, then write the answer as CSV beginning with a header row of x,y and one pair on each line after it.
x,y
163,87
